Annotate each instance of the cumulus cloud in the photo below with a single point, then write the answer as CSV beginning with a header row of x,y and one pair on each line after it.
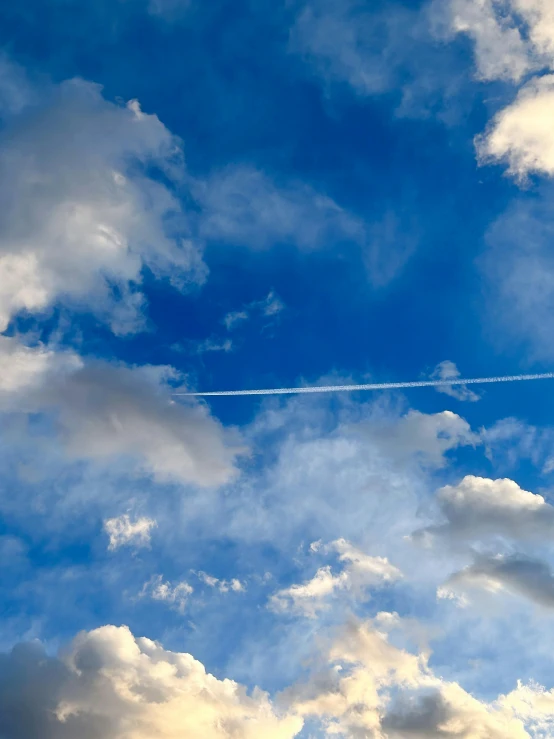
x,y
513,39
447,370
125,532
245,207
176,596
478,507
360,572
375,689
521,134
81,217
515,574
110,685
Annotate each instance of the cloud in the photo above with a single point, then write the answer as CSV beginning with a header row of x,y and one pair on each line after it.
x,y
344,44
214,345
176,596
478,507
110,685
448,371
519,271
516,574
124,532
360,572
234,318
501,51
101,411
390,243
375,689
268,307
104,411
224,586
428,437
374,50
521,134
512,37
242,206
25,370
81,214
358,470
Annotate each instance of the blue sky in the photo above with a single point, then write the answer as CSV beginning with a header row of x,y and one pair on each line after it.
x,y
218,196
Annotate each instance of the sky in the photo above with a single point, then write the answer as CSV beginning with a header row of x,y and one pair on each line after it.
x,y
237,195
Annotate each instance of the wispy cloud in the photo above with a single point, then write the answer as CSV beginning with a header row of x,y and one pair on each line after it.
x,y
123,531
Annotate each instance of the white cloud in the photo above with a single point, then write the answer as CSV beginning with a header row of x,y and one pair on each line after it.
x,y
102,411
374,689
25,370
110,685
521,134
500,49
478,507
125,532
224,586
358,471
512,37
176,596
244,207
428,437
80,215
106,411
448,371
360,572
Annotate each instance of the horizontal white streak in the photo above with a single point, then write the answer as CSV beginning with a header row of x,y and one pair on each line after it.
x,y
374,386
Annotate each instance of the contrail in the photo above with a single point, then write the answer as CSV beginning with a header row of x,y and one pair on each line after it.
x,y
374,386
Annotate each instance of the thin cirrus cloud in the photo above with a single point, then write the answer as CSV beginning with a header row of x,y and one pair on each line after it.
x,y
242,205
